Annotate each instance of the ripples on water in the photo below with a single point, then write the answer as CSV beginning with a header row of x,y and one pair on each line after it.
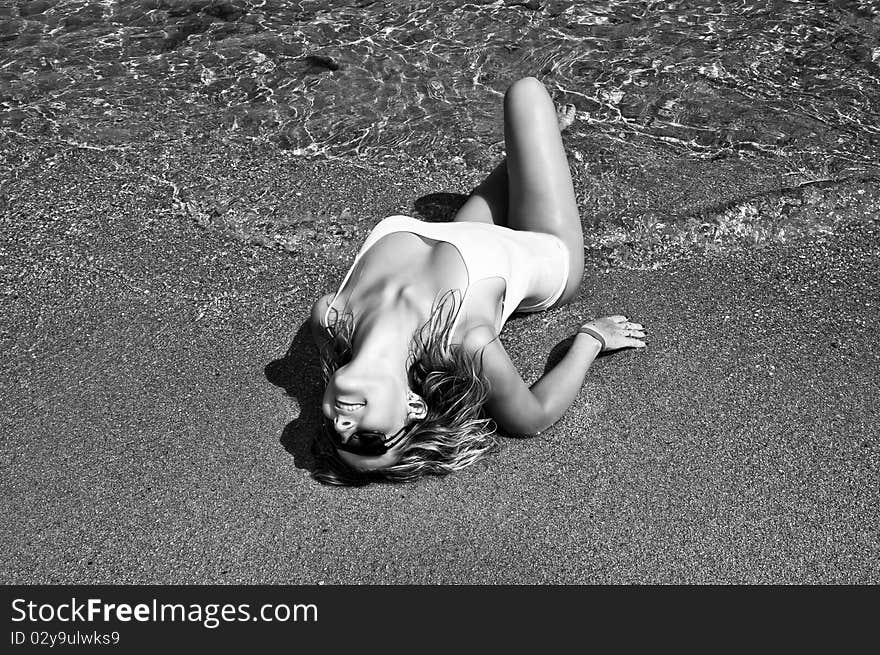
x,y
794,85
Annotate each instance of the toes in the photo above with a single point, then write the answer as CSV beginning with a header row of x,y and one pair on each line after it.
x,y
565,115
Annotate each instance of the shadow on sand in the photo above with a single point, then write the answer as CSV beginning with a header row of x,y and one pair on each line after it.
x,y
439,207
298,372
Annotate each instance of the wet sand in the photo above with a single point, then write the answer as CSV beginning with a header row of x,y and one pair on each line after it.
x,y
155,431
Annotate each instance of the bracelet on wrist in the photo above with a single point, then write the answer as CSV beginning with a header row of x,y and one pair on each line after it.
x,y
596,335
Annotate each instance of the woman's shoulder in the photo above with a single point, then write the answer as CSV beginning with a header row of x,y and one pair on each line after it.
x,y
396,219
319,310
475,338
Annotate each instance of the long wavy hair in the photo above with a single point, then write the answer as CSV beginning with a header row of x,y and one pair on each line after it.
x,y
454,434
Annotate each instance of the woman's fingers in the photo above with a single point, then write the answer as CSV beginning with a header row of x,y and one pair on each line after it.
x,y
633,339
619,332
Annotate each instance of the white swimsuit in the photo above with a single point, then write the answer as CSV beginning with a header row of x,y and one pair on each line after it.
x,y
534,265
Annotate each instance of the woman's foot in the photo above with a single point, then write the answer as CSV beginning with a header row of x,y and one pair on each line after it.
x,y
565,116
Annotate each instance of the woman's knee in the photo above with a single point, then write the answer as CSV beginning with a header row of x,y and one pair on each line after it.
x,y
525,86
523,92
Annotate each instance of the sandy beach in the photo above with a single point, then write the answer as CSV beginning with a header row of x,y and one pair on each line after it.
x,y
159,396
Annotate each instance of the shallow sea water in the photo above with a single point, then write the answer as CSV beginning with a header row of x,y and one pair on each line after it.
x,y
786,87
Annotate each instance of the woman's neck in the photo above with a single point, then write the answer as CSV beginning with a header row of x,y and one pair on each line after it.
x,y
384,331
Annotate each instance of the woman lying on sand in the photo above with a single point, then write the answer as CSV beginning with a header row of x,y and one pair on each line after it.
x,y
417,378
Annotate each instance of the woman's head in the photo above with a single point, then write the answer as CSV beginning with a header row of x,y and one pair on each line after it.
x,y
384,425
370,411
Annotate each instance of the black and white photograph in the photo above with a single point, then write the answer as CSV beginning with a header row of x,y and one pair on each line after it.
x,y
490,293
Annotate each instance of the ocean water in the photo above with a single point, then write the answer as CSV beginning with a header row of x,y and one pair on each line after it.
x,y
790,88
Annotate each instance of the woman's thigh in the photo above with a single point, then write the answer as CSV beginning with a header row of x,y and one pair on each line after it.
x,y
488,202
540,191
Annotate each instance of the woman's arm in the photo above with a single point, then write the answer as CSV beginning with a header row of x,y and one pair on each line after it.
x,y
316,320
523,410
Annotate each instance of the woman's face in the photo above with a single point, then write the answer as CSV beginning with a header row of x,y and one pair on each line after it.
x,y
367,401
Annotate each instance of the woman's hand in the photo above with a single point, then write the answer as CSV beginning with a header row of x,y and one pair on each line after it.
x,y
615,332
